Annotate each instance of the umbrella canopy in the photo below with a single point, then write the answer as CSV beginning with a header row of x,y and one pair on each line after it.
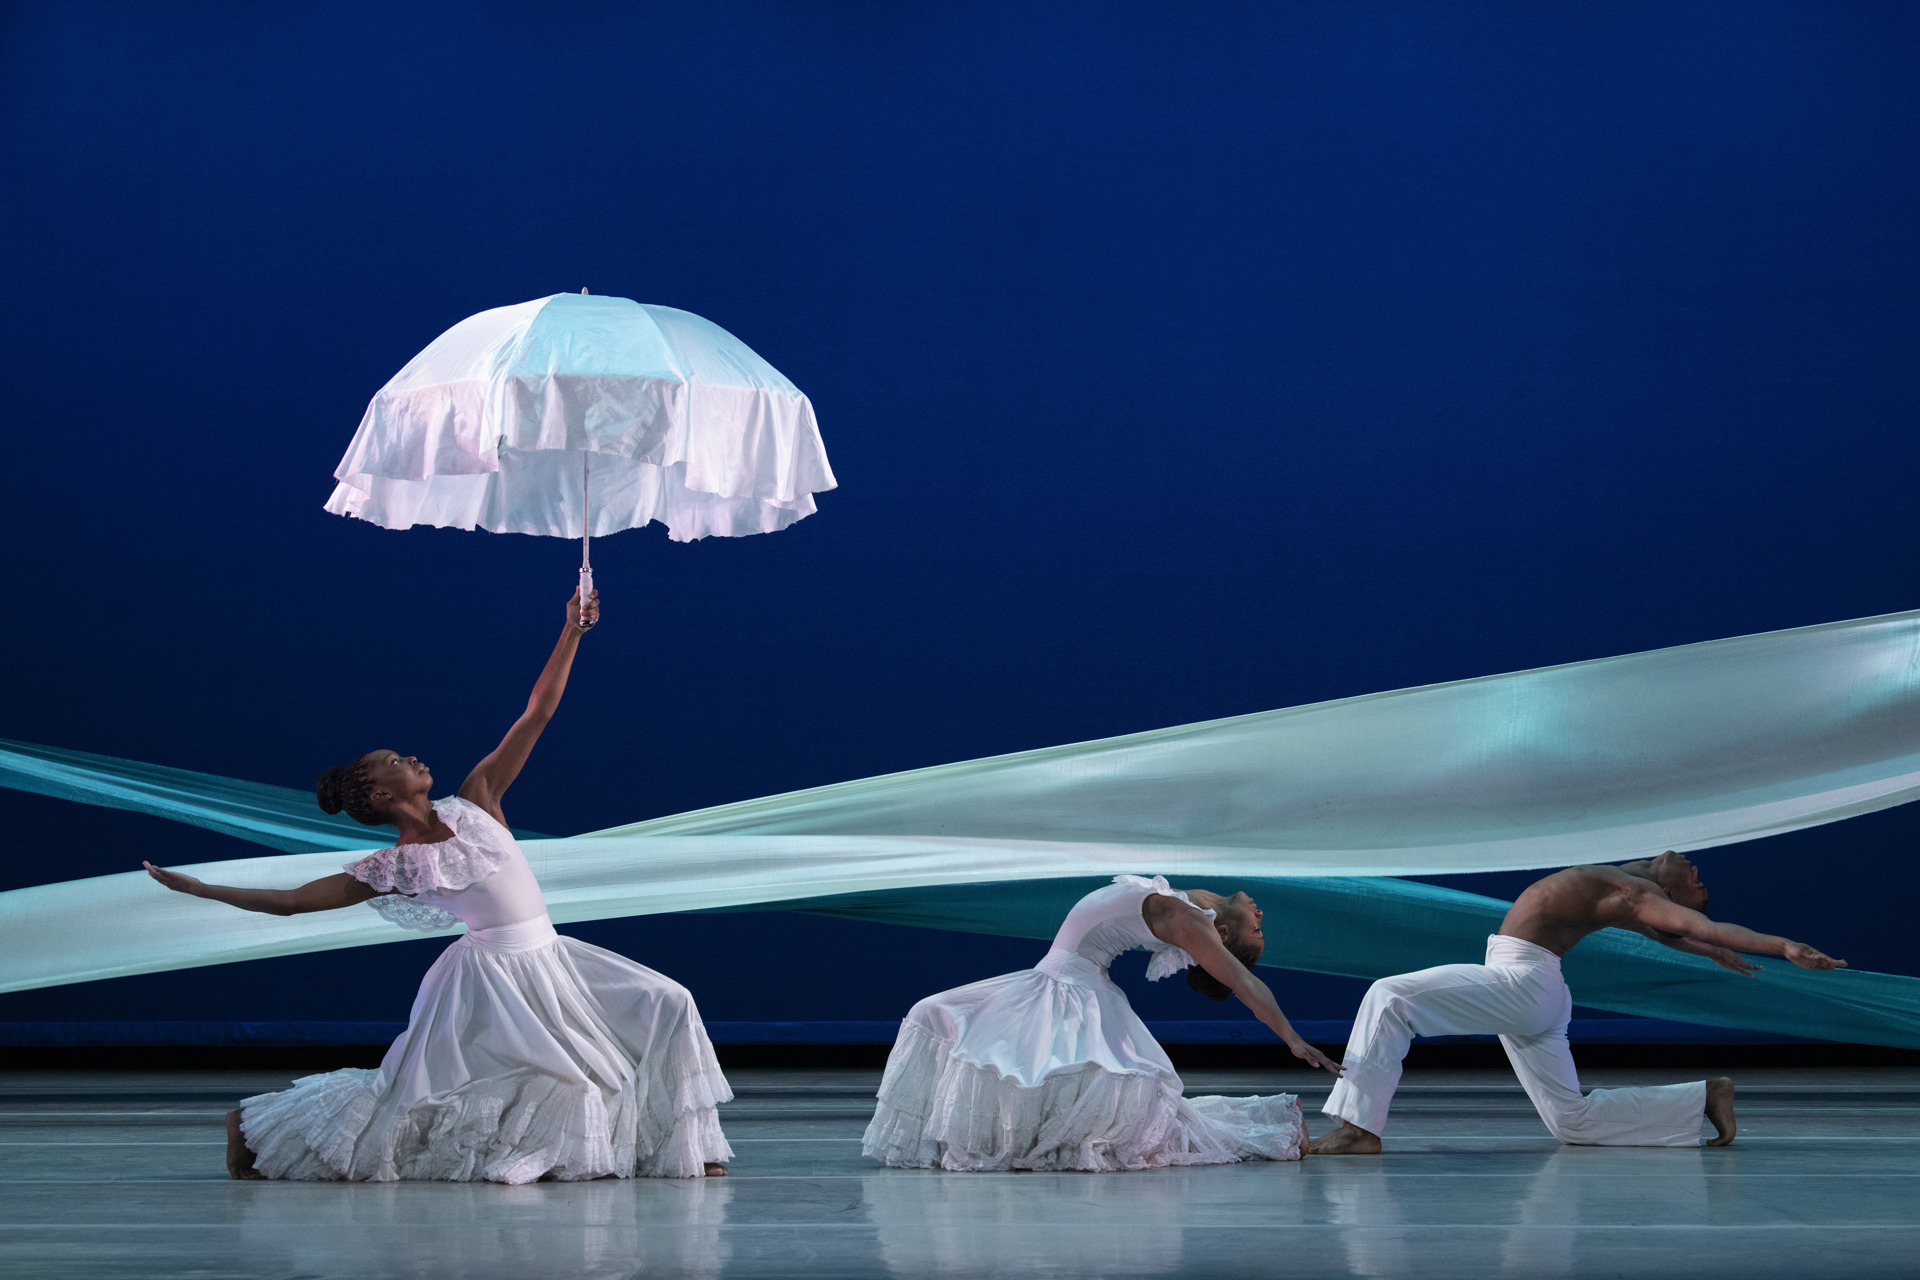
x,y
677,420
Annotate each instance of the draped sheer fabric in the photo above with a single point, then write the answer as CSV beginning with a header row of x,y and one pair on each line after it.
x,y
1682,748
1307,807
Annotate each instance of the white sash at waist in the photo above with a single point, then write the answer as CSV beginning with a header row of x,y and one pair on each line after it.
x,y
1070,966
524,935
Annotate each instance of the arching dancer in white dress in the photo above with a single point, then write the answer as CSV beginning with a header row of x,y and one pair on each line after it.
x,y
1050,1068
527,1055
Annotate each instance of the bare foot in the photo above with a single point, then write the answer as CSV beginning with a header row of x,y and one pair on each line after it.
x,y
239,1156
716,1171
1720,1110
1347,1140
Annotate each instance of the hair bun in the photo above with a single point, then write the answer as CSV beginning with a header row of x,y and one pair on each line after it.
x,y
349,789
326,789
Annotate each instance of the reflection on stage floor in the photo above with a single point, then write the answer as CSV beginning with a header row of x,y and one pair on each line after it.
x,y
117,1174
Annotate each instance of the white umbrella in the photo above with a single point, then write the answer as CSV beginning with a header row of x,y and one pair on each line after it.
x,y
575,415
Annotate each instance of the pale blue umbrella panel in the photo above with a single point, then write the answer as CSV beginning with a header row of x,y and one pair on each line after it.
x,y
575,415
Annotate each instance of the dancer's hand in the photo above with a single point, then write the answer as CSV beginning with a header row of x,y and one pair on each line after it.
x,y
1808,958
1313,1057
173,879
580,619
1730,960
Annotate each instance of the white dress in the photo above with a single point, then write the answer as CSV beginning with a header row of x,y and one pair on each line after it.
x,y
1050,1068
527,1055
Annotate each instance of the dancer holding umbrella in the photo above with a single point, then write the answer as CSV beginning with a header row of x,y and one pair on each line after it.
x,y
529,1055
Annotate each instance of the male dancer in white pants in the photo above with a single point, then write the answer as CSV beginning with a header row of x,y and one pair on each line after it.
x,y
1519,995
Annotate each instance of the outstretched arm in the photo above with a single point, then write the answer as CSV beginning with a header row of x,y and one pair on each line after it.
x,y
1726,959
1655,909
327,894
1194,934
493,775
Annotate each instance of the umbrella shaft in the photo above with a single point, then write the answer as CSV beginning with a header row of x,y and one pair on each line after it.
x,y
586,533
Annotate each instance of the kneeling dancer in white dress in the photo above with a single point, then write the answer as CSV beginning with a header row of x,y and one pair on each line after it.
x,y
1519,995
527,1055
1051,1068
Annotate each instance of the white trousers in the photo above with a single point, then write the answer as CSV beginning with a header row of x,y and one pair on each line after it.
x,y
1519,995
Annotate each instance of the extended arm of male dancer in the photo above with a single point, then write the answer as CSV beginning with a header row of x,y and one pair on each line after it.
x,y
1647,905
493,775
1721,956
1194,934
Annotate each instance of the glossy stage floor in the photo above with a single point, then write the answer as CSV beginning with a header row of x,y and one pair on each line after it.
x,y
117,1174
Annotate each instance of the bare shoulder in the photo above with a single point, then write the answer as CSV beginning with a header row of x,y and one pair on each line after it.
x,y
1580,892
1608,894
1596,879
1168,916
1567,880
1160,906
477,793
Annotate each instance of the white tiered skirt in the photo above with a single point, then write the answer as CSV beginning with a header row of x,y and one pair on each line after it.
x,y
1051,1069
528,1055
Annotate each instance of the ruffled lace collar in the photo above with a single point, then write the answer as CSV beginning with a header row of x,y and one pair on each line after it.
x,y
1166,959
474,852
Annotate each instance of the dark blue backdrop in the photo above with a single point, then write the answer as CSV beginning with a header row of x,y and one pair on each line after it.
x,y
1176,360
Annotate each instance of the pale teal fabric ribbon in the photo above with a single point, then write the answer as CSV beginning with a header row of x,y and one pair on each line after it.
x,y
1691,747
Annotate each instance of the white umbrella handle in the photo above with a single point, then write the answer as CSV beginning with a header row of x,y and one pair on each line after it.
x,y
586,533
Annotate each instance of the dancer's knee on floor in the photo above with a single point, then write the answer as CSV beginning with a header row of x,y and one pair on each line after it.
x,y
1572,1123
1571,1134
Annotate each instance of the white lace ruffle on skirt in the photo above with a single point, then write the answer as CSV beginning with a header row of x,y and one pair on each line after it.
x,y
1051,1069
560,1060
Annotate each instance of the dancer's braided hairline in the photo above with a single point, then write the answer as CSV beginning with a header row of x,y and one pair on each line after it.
x,y
350,789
